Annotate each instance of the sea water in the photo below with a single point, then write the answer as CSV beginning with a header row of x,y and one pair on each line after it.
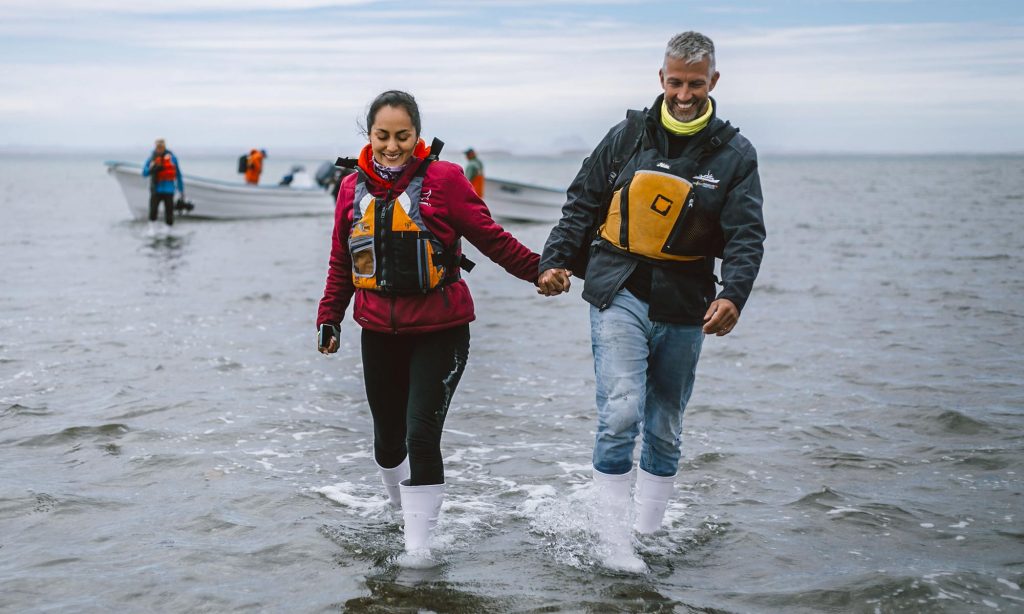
x,y
170,439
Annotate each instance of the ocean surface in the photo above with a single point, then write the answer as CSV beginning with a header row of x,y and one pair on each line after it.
x,y
171,441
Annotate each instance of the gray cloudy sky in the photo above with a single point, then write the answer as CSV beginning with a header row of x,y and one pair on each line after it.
x,y
524,75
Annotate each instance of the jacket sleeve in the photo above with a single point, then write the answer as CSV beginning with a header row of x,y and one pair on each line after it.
x,y
338,290
470,218
582,205
742,224
145,166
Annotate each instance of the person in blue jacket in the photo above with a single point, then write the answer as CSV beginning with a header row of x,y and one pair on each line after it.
x,y
165,178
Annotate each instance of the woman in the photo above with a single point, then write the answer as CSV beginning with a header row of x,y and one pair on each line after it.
x,y
396,247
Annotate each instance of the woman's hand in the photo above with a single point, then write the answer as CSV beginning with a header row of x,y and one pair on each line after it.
x,y
331,348
330,334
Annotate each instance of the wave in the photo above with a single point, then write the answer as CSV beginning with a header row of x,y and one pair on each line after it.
x,y
17,409
77,433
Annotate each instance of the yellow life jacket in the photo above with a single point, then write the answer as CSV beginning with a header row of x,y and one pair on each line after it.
x,y
658,213
644,213
392,249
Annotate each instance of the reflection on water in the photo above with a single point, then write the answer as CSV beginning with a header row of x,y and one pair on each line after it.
x,y
167,252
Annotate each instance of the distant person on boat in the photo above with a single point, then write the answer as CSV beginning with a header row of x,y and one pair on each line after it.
x,y
165,179
410,300
298,178
665,192
475,171
254,166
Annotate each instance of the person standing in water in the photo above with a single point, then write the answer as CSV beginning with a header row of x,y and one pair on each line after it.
x,y
667,191
165,178
396,247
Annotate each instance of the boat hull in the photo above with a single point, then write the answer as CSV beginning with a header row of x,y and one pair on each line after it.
x,y
509,200
213,199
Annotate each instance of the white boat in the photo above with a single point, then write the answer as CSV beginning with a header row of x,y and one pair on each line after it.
x,y
216,199
523,202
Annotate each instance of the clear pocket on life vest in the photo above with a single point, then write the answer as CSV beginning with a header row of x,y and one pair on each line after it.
x,y
364,261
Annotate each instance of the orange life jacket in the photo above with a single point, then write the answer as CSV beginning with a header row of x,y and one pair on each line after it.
x,y
165,168
392,249
255,167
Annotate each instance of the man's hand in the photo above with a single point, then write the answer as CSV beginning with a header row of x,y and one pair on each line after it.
x,y
553,282
721,317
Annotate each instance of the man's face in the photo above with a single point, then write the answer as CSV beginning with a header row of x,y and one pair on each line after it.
x,y
687,87
161,149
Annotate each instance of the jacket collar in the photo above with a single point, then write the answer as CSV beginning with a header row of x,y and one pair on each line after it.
x,y
657,133
419,154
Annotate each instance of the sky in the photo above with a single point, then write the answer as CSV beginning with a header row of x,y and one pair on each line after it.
x,y
526,76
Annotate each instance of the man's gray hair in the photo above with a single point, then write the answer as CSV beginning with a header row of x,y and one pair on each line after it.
x,y
692,47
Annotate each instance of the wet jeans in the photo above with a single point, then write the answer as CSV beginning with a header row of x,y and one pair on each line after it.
x,y
645,372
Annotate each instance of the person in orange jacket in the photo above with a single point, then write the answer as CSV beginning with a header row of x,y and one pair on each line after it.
x,y
254,166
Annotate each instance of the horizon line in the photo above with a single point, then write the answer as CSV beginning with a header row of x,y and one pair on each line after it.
x,y
312,151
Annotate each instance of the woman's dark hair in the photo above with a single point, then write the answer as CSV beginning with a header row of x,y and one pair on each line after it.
x,y
394,98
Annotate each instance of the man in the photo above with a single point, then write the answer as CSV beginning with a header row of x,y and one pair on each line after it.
x,y
165,173
675,187
254,166
475,171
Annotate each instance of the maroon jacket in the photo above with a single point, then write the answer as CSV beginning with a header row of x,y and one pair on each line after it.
x,y
450,209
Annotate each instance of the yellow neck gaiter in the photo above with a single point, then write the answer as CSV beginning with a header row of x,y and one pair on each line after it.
x,y
675,126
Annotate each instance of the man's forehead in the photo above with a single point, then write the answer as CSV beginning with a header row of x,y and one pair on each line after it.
x,y
684,69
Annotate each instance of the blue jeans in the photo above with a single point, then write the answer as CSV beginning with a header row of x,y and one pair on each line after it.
x,y
645,372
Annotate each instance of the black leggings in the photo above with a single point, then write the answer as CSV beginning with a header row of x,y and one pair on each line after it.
x,y
155,199
410,381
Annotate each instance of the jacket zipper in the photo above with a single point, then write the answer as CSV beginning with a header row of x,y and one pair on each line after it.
x,y
381,217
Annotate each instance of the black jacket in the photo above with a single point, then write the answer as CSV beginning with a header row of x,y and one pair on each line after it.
x,y
679,293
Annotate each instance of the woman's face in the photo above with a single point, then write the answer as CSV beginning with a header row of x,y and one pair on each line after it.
x,y
392,136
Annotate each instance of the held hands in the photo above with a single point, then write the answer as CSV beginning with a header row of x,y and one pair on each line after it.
x,y
721,317
553,282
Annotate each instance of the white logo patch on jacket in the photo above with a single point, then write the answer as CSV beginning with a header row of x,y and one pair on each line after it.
x,y
707,180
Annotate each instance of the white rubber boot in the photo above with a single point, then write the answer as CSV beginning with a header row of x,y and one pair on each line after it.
x,y
652,495
613,498
391,478
420,507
